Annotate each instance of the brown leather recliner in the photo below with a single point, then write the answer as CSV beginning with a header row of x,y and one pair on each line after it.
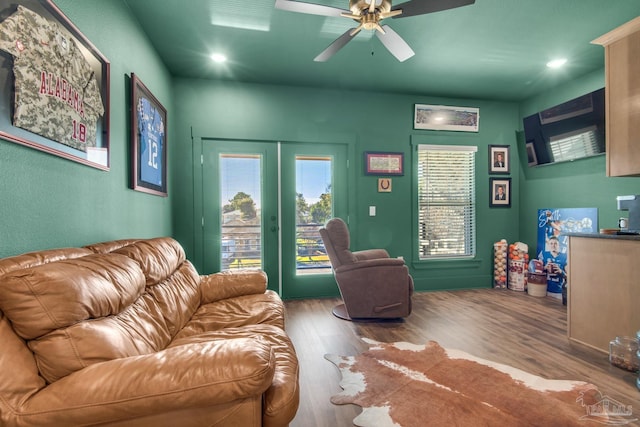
x,y
127,333
372,284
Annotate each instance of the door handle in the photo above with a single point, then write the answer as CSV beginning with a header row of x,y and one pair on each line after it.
x,y
274,228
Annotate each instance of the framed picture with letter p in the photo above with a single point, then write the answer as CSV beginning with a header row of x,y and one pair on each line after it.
x,y
148,141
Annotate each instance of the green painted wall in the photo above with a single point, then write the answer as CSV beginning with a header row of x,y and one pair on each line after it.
x,y
581,183
50,202
368,122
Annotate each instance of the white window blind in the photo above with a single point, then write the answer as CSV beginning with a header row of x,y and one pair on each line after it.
x,y
575,145
446,201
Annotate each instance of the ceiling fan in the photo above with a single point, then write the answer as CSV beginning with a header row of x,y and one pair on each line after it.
x,y
369,14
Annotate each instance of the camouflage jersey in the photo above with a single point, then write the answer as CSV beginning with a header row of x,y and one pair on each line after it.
x,y
56,93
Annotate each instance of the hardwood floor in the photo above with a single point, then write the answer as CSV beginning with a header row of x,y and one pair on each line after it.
x,y
504,326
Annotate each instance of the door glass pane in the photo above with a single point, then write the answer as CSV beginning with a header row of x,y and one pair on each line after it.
x,y
240,203
313,208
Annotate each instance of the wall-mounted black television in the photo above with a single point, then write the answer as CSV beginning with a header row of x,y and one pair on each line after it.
x,y
572,130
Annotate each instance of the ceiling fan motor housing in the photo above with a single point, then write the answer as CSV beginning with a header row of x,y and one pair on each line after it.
x,y
369,19
361,7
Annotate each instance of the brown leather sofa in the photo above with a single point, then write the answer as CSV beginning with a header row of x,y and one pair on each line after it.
x,y
126,333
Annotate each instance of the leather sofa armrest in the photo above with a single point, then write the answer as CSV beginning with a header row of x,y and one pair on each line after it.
x,y
192,375
227,284
371,254
377,262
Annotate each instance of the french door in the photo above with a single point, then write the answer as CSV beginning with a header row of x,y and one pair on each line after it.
x,y
263,204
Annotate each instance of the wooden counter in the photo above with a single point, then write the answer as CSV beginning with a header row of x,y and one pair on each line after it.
x,y
603,294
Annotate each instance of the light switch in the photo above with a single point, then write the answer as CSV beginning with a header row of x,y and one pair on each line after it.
x,y
372,211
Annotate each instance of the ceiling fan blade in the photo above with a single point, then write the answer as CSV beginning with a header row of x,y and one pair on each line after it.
x,y
395,44
421,7
338,44
310,8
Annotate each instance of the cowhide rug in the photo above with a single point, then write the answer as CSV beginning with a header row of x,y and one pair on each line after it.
x,y
405,385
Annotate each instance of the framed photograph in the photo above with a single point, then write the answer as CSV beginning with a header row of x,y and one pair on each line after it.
x,y
532,159
499,159
499,192
46,104
148,141
442,117
383,163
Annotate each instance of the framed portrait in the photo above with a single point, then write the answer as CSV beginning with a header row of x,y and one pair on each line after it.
x,y
376,163
499,159
532,159
44,103
148,141
500,192
443,117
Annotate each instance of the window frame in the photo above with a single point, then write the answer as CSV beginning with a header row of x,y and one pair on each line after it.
x,y
450,260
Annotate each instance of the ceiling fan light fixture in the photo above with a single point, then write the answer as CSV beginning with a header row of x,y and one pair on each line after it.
x,y
218,58
556,63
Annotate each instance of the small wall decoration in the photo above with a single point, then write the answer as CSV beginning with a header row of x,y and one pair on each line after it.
x,y
148,140
57,96
442,117
500,192
384,185
376,163
499,159
532,159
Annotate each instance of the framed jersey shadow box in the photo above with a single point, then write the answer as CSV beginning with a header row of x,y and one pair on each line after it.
x,y
54,84
148,141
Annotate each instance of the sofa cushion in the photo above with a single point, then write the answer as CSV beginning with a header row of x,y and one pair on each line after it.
x,y
19,375
56,295
217,375
254,309
281,398
86,310
176,298
158,258
48,303
171,279
229,284
106,247
33,259
110,246
145,327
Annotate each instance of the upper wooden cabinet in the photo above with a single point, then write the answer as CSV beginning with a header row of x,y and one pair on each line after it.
x,y
622,68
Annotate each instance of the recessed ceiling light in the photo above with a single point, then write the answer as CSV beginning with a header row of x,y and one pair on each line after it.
x,y
556,63
218,57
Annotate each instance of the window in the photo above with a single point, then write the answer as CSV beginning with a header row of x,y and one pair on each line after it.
x,y
446,201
